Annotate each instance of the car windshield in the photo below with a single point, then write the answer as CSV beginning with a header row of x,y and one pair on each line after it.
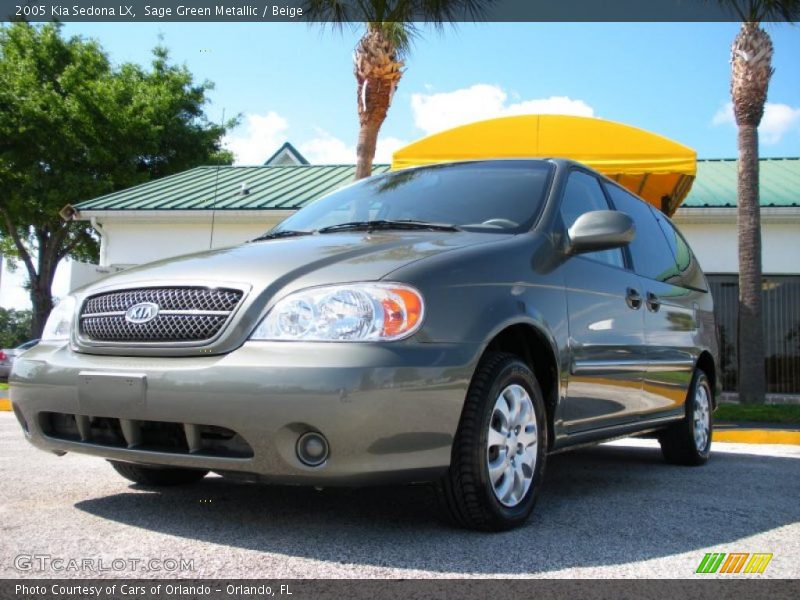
x,y
503,196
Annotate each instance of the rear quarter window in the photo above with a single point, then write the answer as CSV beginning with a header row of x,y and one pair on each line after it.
x,y
691,274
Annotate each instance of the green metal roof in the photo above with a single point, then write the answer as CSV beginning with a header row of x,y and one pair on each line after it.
x,y
292,187
222,188
715,184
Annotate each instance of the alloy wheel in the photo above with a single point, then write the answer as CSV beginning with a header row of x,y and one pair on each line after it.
x,y
702,418
512,445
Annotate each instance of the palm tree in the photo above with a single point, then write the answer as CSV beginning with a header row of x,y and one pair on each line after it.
x,y
751,70
390,26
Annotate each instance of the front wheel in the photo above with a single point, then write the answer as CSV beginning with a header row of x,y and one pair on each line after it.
x,y
688,442
499,451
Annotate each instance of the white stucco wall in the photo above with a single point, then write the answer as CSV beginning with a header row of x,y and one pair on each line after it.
x,y
716,243
138,238
128,241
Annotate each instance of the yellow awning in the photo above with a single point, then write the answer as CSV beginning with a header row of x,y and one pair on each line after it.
x,y
656,168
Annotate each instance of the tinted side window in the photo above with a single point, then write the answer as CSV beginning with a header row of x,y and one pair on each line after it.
x,y
583,194
690,273
652,256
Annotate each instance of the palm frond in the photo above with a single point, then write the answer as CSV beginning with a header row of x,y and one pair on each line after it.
x,y
330,12
757,11
433,12
441,12
402,35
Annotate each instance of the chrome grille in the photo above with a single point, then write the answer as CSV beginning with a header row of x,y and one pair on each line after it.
x,y
187,314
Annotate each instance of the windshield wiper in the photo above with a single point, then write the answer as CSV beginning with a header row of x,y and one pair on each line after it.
x,y
273,235
386,225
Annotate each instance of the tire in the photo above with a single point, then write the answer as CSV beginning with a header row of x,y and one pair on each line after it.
x,y
679,443
469,495
157,476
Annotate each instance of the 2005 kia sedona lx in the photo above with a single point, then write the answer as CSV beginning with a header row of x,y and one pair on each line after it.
x,y
453,323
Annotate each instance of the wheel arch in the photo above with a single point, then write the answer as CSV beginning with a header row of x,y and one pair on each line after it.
x,y
705,361
536,348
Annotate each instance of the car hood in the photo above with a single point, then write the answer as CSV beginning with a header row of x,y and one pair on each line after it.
x,y
268,270
298,262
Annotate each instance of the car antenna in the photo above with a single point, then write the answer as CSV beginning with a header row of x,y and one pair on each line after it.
x,y
216,187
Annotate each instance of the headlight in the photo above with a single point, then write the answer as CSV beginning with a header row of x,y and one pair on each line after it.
x,y
60,321
358,312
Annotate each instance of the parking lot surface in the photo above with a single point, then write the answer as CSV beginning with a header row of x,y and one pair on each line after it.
x,y
612,511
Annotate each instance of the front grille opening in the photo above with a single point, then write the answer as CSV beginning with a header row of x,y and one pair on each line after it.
x,y
156,436
164,437
219,441
106,432
188,314
61,426
164,328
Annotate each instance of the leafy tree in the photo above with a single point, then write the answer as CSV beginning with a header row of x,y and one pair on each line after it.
x,y
751,71
15,327
378,59
72,127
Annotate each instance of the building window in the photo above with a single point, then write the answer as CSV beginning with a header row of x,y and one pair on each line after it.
x,y
781,317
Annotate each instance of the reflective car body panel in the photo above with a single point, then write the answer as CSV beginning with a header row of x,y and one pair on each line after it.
x,y
390,410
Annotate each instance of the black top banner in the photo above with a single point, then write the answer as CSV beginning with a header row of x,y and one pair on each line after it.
x,y
132,11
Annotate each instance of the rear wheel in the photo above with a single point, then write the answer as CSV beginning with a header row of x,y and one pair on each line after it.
x,y
498,456
157,476
689,441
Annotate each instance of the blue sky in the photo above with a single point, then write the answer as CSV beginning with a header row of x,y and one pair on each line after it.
x,y
294,81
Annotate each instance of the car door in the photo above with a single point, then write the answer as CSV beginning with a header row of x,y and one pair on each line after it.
x,y
669,313
606,324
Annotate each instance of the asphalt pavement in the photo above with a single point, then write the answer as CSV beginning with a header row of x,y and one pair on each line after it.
x,y
611,511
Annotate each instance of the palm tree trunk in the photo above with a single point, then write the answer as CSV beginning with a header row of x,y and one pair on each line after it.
x,y
751,70
365,150
378,70
752,383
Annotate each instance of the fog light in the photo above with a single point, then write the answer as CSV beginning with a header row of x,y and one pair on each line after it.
x,y
312,449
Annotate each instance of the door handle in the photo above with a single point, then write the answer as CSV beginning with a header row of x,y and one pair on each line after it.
x,y
633,298
653,303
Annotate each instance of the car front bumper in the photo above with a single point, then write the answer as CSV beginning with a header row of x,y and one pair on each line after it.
x,y
388,411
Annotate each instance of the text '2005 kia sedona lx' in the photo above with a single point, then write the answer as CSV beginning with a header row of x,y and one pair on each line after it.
x,y
452,324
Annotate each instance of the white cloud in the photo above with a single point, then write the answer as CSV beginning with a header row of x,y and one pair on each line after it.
x,y
443,110
778,120
261,135
12,284
254,142
327,149
724,115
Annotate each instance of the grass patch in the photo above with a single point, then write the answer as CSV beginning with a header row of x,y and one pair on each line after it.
x,y
759,413
3,386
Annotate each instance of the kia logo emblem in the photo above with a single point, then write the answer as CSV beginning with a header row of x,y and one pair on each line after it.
x,y
142,312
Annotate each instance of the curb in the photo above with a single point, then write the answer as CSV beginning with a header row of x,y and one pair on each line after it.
x,y
736,435
757,436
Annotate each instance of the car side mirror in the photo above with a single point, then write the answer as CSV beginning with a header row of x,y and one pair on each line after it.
x,y
600,230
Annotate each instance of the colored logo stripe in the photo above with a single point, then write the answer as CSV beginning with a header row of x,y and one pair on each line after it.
x,y
758,563
734,562
713,562
710,562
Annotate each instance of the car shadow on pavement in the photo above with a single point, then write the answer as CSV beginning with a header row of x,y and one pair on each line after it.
x,y
601,506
